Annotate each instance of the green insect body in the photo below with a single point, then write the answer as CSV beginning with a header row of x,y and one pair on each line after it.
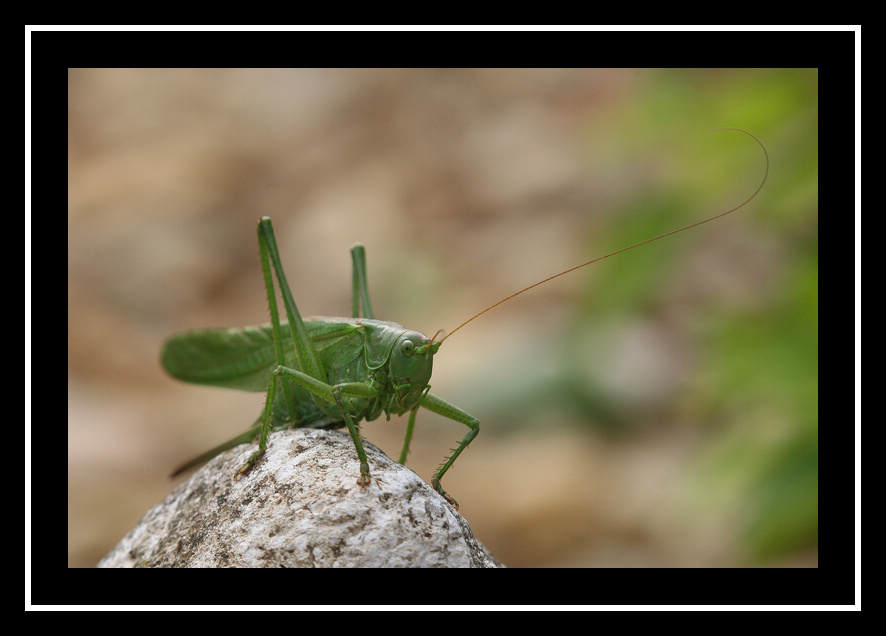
x,y
325,373
332,372
353,349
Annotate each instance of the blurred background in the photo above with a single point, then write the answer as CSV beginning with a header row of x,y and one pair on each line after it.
x,y
659,408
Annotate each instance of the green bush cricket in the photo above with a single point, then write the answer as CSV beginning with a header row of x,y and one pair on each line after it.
x,y
333,372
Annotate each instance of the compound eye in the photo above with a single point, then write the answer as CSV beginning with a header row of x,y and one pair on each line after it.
x,y
407,347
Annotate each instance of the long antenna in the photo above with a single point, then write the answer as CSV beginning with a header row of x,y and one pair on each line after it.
x,y
625,249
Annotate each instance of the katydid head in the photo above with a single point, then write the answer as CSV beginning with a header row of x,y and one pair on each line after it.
x,y
435,344
410,365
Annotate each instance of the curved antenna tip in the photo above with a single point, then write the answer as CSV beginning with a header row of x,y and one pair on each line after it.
x,y
625,249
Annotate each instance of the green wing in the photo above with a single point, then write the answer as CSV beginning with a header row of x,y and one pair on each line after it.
x,y
244,358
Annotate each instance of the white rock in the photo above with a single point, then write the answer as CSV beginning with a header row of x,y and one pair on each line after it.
x,y
301,507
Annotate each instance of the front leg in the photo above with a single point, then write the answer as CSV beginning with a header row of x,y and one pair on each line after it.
x,y
441,406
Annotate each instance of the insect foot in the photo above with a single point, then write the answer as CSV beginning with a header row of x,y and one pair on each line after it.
x,y
436,484
302,509
248,466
